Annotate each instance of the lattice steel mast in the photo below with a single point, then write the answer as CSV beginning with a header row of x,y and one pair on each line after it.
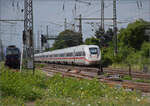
x,y
102,15
28,33
115,27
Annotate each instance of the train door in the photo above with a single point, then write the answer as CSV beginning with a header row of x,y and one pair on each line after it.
x,y
74,56
83,55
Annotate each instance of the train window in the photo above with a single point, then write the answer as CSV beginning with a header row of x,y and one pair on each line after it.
x,y
78,54
69,54
55,55
93,50
65,54
62,55
12,52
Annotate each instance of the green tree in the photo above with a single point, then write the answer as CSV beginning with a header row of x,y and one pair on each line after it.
x,y
106,38
99,33
102,38
92,41
134,35
145,49
67,38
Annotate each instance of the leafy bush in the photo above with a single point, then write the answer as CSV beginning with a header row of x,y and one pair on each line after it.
x,y
106,61
23,85
133,58
145,49
107,55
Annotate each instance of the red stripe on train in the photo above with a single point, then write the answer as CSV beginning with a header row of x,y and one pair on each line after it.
x,y
74,58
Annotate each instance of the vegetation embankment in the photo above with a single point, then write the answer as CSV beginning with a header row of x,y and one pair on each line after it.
x,y
20,88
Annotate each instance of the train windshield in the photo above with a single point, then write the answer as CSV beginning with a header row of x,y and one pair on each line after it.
x,y
12,52
93,50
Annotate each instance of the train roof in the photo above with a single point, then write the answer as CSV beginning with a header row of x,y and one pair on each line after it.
x,y
78,46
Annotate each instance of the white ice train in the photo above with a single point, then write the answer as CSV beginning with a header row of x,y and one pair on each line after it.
x,y
78,55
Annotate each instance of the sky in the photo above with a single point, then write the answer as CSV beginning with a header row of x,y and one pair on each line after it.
x,y
53,13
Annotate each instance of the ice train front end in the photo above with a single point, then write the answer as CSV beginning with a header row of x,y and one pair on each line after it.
x,y
93,55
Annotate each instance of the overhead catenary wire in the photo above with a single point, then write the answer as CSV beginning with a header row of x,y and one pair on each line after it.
x,y
92,1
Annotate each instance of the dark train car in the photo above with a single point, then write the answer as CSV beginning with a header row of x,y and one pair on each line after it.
x,y
12,57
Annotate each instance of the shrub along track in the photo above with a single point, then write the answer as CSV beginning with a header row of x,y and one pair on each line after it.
x,y
90,73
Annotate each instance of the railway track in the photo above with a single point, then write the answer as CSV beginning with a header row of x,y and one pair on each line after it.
x,y
109,71
134,74
90,73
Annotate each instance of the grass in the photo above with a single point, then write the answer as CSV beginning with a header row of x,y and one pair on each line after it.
x,y
18,88
25,86
72,92
142,80
126,77
40,65
11,101
22,85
